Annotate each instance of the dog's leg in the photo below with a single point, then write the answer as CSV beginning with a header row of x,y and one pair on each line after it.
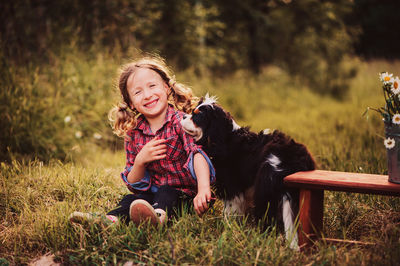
x,y
235,206
288,222
267,194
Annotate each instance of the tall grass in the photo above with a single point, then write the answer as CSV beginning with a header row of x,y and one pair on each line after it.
x,y
48,110
36,198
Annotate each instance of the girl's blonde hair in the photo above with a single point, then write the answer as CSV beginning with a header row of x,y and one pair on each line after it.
x,y
123,116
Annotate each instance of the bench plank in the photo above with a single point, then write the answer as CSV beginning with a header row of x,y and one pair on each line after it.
x,y
343,181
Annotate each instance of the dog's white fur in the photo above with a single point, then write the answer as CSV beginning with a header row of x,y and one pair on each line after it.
x,y
288,222
208,100
235,206
190,128
274,162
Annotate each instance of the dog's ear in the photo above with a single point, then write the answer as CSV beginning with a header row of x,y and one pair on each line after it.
x,y
201,100
219,132
217,144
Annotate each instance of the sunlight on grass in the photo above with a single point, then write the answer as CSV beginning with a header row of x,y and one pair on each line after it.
x,y
36,199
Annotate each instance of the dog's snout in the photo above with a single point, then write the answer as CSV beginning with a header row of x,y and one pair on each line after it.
x,y
184,116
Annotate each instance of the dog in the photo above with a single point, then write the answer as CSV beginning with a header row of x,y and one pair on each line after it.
x,y
250,167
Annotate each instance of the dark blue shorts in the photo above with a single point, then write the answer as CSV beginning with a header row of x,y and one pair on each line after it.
x,y
167,198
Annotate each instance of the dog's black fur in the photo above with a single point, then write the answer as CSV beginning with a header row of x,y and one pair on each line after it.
x,y
242,160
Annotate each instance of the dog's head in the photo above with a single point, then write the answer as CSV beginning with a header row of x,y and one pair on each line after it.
x,y
209,124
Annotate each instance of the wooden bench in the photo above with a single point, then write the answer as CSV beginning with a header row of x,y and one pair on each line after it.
x,y
312,185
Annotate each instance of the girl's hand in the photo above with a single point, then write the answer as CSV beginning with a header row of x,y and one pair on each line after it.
x,y
153,150
201,200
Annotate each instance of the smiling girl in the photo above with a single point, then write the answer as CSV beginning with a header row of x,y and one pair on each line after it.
x,y
164,167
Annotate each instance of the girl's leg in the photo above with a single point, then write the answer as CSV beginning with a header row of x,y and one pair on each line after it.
x,y
122,211
169,199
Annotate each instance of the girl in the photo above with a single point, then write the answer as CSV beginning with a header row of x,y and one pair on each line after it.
x,y
164,167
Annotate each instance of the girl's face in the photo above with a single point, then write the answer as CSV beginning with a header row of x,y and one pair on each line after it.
x,y
148,93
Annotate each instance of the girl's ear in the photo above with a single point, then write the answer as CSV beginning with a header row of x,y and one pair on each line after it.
x,y
167,89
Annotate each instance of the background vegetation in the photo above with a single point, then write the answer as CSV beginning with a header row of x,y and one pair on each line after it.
x,y
309,68
59,59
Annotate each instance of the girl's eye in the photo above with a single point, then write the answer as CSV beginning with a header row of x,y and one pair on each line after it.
x,y
152,85
136,92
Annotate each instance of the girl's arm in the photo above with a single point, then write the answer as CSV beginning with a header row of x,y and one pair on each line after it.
x,y
203,196
155,149
136,173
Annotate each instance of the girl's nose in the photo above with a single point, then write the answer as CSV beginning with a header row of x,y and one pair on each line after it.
x,y
147,94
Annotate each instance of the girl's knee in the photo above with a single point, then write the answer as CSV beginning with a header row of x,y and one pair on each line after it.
x,y
166,198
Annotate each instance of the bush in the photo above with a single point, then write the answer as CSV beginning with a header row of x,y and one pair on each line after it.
x,y
29,120
47,111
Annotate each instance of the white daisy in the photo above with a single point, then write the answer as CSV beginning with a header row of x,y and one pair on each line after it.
x,y
396,119
389,143
67,119
266,131
395,85
78,134
97,136
385,77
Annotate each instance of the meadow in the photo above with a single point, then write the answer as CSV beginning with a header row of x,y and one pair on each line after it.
x,y
37,197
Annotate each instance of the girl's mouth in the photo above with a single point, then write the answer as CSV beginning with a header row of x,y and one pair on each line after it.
x,y
151,103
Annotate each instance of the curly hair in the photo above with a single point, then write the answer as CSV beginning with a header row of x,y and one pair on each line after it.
x,y
123,116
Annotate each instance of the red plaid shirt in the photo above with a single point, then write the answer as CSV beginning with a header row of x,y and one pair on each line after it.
x,y
172,170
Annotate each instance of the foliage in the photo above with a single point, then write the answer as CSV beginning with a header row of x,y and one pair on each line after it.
x,y
28,120
31,30
374,21
309,39
36,198
263,59
47,111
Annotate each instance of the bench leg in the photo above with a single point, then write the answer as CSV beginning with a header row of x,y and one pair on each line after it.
x,y
310,215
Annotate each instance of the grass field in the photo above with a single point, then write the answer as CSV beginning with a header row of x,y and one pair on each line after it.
x,y
36,199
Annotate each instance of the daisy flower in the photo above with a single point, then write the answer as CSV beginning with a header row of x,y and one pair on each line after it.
x,y
396,119
395,85
266,131
78,134
67,119
97,136
389,143
385,77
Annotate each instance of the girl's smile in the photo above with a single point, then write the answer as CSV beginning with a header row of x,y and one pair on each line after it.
x,y
151,104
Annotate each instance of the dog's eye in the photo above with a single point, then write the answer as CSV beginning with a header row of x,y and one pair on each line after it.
x,y
196,111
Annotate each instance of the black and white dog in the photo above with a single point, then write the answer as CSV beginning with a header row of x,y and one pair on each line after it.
x,y
250,167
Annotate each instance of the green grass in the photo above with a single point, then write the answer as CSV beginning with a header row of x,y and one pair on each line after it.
x,y
36,199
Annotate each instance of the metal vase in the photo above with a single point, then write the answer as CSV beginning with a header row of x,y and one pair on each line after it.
x,y
393,154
